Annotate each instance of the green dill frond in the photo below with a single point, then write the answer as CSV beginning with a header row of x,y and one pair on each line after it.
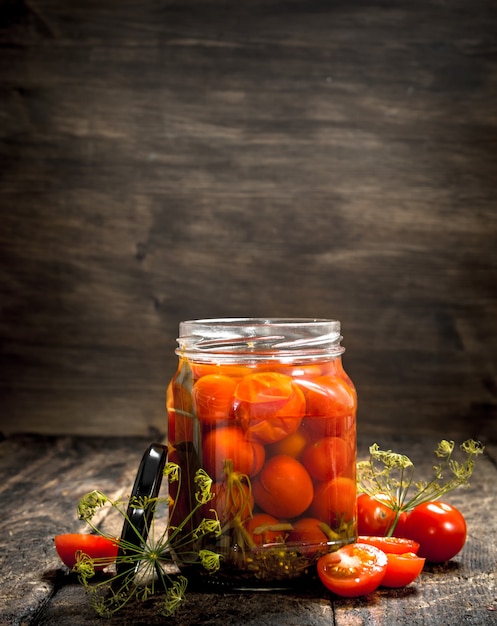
x,y
175,595
210,560
89,503
391,475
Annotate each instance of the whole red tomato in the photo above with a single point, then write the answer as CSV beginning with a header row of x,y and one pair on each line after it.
x,y
375,518
334,500
229,444
327,458
439,528
283,488
213,398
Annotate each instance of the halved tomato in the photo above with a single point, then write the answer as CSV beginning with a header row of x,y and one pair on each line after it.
x,y
354,570
101,549
391,545
402,569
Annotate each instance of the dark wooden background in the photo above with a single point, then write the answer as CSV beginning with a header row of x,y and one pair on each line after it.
x,y
166,160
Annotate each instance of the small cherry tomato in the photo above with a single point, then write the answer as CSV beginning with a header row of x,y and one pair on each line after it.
x,y
326,458
439,528
101,549
232,500
269,406
293,445
391,545
375,518
213,398
329,396
229,443
307,533
265,529
334,501
283,487
402,569
354,570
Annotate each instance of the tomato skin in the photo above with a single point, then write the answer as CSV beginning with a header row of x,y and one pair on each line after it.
x,y
283,488
269,406
95,546
230,501
334,500
439,528
375,518
213,398
354,570
292,445
391,545
326,458
260,529
308,534
402,569
221,444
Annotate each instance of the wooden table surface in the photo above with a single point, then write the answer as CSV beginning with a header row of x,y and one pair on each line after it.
x,y
43,478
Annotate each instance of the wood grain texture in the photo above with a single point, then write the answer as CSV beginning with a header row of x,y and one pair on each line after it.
x,y
44,478
162,161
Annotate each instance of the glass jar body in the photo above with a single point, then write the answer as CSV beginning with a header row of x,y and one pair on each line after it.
x,y
266,409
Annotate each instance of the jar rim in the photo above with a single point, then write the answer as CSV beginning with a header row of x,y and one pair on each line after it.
x,y
232,338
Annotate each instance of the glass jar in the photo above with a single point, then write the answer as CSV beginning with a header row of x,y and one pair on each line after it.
x,y
265,407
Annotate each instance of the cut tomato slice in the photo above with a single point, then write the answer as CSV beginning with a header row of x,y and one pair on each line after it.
x,y
391,545
402,569
102,550
354,570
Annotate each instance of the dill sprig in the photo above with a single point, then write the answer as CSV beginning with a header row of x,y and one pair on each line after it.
x,y
389,476
150,566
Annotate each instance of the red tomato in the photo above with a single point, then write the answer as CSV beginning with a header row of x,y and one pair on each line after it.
x,y
231,500
263,529
293,445
206,369
221,444
375,518
391,545
326,458
402,569
103,550
308,534
283,488
439,528
354,570
269,406
329,396
334,501
180,411
213,397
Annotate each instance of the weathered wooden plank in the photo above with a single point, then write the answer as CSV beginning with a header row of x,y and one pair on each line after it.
x,y
176,160
43,479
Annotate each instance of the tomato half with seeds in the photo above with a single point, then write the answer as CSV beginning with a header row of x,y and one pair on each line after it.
x,y
402,569
102,549
354,570
269,406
